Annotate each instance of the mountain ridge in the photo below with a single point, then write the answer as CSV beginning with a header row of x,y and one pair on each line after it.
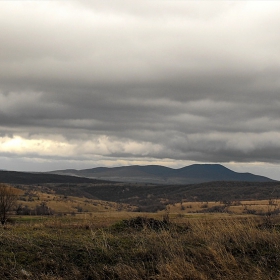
x,y
192,174
17,177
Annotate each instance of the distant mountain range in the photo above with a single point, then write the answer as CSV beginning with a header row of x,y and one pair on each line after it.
x,y
193,174
199,182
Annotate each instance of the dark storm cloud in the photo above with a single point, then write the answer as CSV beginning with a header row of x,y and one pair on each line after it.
x,y
177,80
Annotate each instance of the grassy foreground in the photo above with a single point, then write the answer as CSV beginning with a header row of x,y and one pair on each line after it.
x,y
202,248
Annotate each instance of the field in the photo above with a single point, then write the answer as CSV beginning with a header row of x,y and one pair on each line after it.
x,y
73,199
53,203
258,207
121,245
52,235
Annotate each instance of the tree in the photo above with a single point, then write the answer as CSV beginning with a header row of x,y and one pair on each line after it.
x,y
8,198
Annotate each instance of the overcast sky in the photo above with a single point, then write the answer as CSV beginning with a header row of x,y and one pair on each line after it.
x,y
109,83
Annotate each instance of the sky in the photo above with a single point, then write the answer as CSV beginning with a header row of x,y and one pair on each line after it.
x,y
109,83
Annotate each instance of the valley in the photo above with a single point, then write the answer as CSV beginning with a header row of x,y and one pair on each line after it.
x,y
72,227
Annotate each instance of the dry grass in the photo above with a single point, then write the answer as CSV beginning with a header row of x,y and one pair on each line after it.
x,y
88,247
33,197
69,204
234,207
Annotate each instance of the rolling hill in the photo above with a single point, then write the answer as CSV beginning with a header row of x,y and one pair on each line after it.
x,y
204,183
14,177
193,174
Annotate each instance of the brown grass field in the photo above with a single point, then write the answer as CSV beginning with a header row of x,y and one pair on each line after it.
x,y
70,204
94,239
235,207
109,243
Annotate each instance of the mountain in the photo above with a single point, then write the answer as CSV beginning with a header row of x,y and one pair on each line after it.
x,y
193,174
14,177
219,184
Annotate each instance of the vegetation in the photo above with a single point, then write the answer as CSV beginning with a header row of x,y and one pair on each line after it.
x,y
144,196
68,231
8,198
52,199
153,198
188,248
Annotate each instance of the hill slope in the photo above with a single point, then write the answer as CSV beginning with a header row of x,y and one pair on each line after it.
x,y
193,174
14,177
150,197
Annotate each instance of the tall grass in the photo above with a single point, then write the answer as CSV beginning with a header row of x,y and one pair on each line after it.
x,y
200,249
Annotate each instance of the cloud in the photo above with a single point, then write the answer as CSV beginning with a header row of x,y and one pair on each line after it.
x,y
141,81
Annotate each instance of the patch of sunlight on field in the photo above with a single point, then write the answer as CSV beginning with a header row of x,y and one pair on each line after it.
x,y
261,207
69,204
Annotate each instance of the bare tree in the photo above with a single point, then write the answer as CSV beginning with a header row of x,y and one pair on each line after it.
x,y
8,198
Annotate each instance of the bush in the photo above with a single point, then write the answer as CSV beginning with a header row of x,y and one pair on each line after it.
x,y
216,209
140,223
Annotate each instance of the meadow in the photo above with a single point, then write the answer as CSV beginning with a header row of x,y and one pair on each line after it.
x,y
56,236
124,245
30,202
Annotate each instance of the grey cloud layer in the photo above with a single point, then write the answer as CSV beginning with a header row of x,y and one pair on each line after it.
x,y
178,80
